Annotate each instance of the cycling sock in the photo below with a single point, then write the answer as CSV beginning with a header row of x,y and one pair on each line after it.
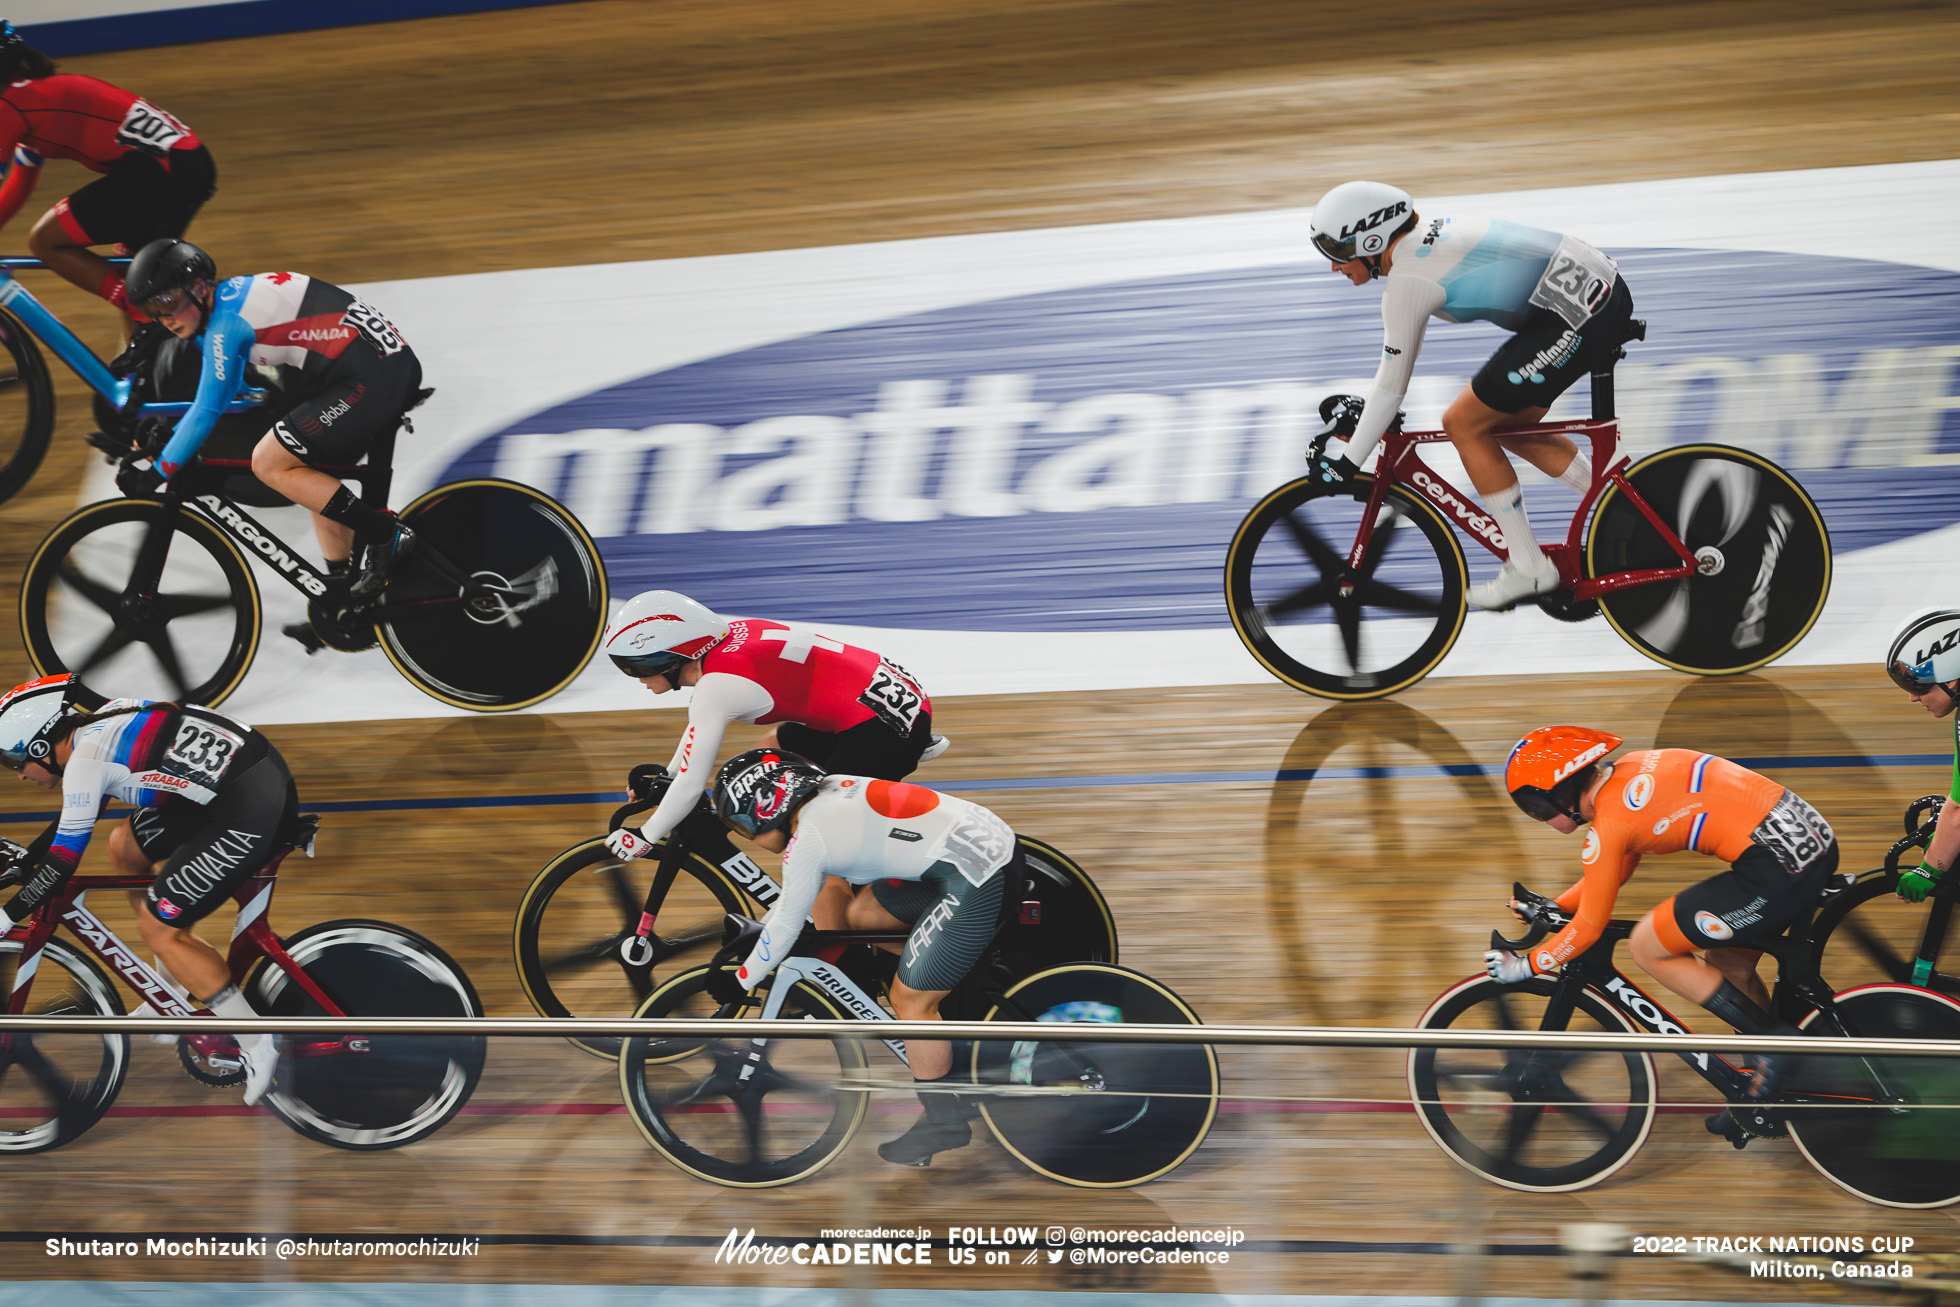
x,y
367,521
941,1128
228,1002
1578,473
1739,1010
1507,506
112,289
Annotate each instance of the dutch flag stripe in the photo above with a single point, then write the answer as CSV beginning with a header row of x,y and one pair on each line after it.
x,y
1694,832
1701,768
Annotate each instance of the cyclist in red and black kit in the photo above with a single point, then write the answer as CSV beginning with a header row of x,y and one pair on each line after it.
x,y
156,174
341,371
846,709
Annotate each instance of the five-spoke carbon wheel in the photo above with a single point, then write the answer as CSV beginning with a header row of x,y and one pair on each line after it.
x,y
1333,630
1543,1120
52,1086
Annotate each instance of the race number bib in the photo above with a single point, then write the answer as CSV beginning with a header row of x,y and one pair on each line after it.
x,y
202,753
375,329
1795,832
149,129
1576,281
894,696
978,847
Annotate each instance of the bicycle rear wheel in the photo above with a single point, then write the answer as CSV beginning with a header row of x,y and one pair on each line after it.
x,y
714,1113
193,642
1765,553
26,407
1868,935
1096,1115
385,1090
585,904
1074,923
1901,1151
54,1087
533,629
1312,624
1546,1121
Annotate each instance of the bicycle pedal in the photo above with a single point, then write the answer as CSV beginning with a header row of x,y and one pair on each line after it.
x,y
304,633
224,1065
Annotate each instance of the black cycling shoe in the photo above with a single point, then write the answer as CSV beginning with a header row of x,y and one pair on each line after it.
x,y
942,1129
143,343
384,559
306,635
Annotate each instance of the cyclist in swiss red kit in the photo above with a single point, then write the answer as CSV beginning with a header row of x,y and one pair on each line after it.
x,y
212,799
345,374
1563,299
845,709
156,174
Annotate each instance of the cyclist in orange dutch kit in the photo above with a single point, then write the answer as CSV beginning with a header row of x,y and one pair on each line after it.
x,y
1662,801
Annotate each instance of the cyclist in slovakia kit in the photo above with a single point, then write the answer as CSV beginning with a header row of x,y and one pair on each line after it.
x,y
1563,299
1924,661
156,174
344,374
914,858
1781,853
844,708
212,799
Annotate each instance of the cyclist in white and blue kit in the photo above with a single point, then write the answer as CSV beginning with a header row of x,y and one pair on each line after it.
x,y
1564,301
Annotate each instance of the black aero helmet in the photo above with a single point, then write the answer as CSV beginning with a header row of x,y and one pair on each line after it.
x,y
756,792
164,266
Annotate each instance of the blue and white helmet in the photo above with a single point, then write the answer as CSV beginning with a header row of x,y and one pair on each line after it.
x,y
1926,650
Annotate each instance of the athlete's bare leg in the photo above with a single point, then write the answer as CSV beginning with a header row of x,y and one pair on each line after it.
x,y
1478,432
930,1058
306,486
50,242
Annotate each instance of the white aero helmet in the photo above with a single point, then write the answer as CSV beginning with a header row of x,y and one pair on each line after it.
x,y
659,630
1925,650
27,712
1357,220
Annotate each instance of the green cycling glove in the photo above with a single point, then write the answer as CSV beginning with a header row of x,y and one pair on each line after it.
x,y
1916,884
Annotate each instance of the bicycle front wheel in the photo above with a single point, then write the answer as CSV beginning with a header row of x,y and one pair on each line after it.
x,y
26,407
536,606
585,904
1764,552
1896,1149
54,1087
1543,1121
1096,1115
1330,630
1868,935
709,1109
373,1091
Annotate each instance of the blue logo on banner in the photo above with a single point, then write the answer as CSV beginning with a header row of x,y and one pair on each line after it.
x,y
1078,460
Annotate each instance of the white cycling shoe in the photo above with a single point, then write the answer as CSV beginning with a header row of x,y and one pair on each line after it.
x,y
939,745
261,1062
1513,585
144,1009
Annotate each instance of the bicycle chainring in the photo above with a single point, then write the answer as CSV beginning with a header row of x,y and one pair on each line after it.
x,y
340,627
1561,605
202,1071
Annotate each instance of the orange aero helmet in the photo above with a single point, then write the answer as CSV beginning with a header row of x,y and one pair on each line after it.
x,y
1550,768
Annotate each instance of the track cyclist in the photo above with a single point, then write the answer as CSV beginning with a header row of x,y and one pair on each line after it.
x,y
1564,301
915,859
844,708
212,798
346,374
156,174
1924,661
1661,801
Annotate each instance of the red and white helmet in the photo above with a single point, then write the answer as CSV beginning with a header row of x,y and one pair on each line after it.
x,y
27,714
659,630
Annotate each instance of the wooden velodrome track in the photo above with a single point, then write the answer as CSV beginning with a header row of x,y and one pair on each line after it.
x,y
621,130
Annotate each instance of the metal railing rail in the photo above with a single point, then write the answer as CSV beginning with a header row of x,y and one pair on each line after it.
x,y
1081,1032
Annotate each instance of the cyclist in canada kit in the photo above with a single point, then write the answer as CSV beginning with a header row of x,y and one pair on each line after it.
x,y
1781,850
212,799
845,709
156,174
344,374
914,859
1565,301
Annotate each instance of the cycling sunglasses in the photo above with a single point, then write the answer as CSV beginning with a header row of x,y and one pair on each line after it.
x,y
1905,678
666,663
170,302
1542,805
1338,250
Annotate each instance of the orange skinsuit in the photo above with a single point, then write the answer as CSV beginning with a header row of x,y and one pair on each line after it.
x,y
1656,801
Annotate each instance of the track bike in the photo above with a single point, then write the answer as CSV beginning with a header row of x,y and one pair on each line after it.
x,y
1707,559
1556,1120
754,1113
500,606
595,935
353,1090
1867,933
